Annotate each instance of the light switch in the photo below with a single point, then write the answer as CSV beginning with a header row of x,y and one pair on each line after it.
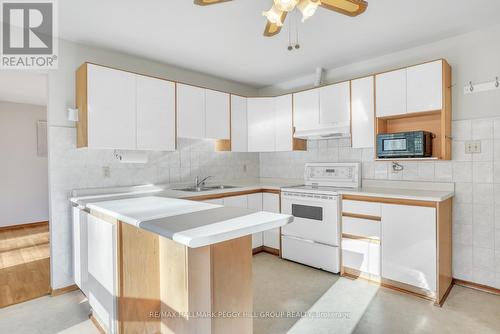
x,y
472,146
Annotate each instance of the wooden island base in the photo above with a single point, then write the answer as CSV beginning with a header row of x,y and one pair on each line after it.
x,y
166,287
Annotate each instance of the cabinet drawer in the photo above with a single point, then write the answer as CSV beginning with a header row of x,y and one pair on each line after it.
x,y
361,227
310,253
361,208
362,255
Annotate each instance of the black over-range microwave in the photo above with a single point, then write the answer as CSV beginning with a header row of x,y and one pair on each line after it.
x,y
414,144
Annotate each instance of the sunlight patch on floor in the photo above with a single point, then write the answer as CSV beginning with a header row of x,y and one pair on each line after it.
x,y
339,308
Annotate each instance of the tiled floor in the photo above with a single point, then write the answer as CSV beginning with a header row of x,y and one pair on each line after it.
x,y
24,263
335,305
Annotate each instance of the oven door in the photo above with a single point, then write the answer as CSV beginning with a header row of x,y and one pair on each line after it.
x,y
316,217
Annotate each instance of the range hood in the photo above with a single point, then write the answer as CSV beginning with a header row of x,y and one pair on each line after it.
x,y
333,131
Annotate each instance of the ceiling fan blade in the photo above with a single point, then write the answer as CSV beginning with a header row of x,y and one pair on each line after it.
x,y
346,7
208,2
273,29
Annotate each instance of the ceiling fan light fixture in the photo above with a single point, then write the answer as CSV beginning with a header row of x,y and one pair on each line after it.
x,y
308,8
286,5
274,15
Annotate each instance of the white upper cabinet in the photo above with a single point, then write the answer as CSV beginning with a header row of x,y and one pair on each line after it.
x,y
190,111
217,116
363,114
335,103
155,114
261,124
391,93
306,109
111,108
284,126
425,87
239,124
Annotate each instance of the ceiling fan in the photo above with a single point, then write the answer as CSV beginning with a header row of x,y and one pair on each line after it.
x,y
277,14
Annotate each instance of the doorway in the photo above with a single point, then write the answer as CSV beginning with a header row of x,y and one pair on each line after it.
x,y
24,226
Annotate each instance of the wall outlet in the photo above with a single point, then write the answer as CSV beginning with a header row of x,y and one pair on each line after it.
x,y
472,146
106,172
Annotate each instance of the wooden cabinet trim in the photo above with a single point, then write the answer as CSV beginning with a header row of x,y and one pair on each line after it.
x,y
386,200
361,216
362,238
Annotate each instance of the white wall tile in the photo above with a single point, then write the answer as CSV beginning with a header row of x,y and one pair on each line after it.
x,y
483,193
482,172
483,258
463,193
443,171
482,129
461,130
462,171
486,151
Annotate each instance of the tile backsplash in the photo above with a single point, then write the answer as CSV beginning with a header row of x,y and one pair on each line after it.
x,y
476,219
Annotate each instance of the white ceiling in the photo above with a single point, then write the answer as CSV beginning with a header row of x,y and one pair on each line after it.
x,y
23,87
226,40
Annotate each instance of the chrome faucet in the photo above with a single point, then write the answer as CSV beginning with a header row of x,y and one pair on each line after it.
x,y
198,183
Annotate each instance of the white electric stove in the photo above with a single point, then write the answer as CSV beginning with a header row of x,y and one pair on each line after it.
x,y
314,236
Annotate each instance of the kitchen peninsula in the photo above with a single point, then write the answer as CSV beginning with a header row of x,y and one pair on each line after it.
x,y
166,265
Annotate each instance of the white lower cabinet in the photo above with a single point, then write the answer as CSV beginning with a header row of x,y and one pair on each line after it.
x,y
236,201
80,240
255,203
102,266
271,203
408,235
218,201
362,255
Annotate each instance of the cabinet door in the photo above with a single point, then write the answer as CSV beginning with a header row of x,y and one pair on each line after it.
x,y
111,98
102,266
239,124
218,201
335,103
236,201
271,203
155,114
190,111
306,110
363,115
391,93
284,127
255,203
425,87
261,124
80,262
216,115
408,235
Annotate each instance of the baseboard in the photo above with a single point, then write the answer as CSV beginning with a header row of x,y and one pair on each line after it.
x,y
477,286
265,249
61,291
34,224
97,324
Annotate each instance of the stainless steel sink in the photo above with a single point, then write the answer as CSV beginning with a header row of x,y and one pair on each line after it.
x,y
206,188
195,189
222,186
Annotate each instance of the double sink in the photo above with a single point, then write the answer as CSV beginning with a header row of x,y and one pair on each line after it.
x,y
206,188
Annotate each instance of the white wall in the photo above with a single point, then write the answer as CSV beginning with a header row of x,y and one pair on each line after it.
x,y
23,184
473,57
71,168
476,209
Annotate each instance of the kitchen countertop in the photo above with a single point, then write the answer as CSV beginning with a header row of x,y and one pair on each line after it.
x,y
409,194
191,223
418,191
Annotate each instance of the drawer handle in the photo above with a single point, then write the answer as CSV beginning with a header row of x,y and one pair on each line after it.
x,y
360,216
